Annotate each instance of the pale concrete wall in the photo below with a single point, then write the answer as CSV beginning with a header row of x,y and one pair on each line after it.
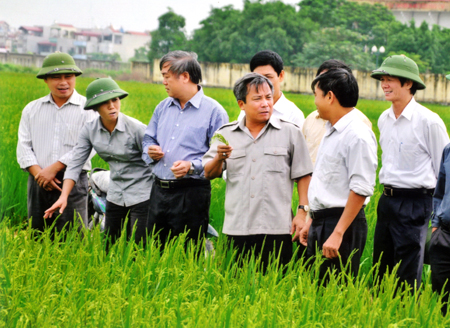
x,y
297,79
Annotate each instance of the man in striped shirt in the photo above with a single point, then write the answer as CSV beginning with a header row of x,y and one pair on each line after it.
x,y
48,131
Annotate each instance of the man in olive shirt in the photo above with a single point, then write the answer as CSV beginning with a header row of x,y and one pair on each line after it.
x,y
264,158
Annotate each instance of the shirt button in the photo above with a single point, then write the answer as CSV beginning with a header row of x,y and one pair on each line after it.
x,y
252,196
253,178
177,124
165,164
254,142
181,112
253,160
173,138
275,152
168,151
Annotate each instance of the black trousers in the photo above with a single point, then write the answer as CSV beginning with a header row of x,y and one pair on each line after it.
x,y
40,200
354,239
137,215
264,246
176,210
440,263
400,235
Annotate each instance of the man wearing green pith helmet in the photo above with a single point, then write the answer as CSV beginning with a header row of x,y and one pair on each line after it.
x,y
48,131
412,139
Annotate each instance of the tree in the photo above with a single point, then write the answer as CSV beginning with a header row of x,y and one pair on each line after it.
x,y
335,43
140,54
169,36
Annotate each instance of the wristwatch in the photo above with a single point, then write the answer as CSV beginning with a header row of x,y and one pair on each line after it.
x,y
304,207
191,170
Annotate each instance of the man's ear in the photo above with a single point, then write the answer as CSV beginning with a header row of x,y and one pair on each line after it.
x,y
184,77
281,76
241,104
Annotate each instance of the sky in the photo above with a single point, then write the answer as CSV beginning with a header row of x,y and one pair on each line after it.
x,y
132,15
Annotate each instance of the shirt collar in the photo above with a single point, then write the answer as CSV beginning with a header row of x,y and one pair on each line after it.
x,y
340,125
279,105
194,101
120,126
75,99
274,121
407,111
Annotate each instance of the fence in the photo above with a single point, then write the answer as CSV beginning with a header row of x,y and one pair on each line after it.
x,y
224,75
32,60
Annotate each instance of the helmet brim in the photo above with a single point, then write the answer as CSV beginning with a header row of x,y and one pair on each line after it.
x,y
378,73
60,69
97,100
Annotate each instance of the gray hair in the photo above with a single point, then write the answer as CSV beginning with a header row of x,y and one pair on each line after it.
x,y
183,61
243,85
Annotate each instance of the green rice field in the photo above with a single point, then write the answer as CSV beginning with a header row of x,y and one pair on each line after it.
x,y
75,283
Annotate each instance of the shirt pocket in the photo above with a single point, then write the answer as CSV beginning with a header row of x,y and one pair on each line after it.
x,y
70,135
329,173
193,139
407,157
275,159
236,162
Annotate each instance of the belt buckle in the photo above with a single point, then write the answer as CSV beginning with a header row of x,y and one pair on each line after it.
x,y
164,184
391,194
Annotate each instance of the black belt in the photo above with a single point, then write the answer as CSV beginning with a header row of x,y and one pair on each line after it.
x,y
182,183
403,192
329,212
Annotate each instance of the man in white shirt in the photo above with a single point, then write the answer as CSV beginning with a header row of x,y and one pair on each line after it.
x,y
269,64
314,127
412,139
343,178
48,132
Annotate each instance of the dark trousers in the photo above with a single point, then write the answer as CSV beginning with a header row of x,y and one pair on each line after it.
x,y
137,215
354,239
40,200
400,235
264,246
440,263
176,210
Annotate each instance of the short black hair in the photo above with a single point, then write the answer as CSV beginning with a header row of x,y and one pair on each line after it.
x,y
243,85
332,64
183,61
267,57
414,86
342,83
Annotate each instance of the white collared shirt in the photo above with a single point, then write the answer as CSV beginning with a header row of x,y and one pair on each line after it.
x,y
347,160
286,110
412,147
48,133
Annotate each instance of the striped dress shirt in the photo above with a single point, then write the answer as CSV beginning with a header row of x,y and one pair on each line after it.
x,y
48,133
183,134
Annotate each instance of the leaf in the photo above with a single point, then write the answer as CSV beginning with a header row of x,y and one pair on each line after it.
x,y
220,138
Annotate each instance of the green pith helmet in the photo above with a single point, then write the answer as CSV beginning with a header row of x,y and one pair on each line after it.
x,y
58,63
102,90
400,66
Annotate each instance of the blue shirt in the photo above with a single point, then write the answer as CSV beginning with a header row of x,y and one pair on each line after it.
x,y
183,134
441,198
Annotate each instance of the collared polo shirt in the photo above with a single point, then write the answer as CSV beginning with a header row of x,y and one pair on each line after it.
x,y
260,176
131,178
441,197
286,110
412,146
347,160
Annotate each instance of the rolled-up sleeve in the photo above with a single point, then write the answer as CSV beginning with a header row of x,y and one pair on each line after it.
x,y
81,154
301,161
362,165
150,136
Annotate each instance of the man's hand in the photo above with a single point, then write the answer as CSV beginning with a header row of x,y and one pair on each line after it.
x,y
180,168
330,248
45,178
61,203
298,223
155,152
304,233
223,152
433,229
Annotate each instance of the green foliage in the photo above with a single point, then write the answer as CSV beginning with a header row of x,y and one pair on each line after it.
x,y
335,43
140,54
169,36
